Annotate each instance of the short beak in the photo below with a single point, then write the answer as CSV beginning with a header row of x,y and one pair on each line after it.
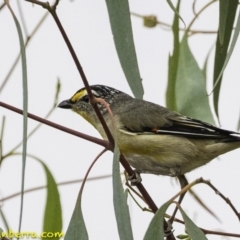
x,y
67,104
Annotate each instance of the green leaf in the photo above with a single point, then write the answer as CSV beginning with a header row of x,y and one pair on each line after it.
x,y
53,212
4,220
176,10
1,139
2,234
120,21
193,231
120,202
25,106
183,236
227,12
77,228
155,229
223,6
204,70
238,126
191,94
173,65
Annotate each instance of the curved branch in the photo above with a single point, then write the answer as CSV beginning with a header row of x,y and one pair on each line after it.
x,y
98,141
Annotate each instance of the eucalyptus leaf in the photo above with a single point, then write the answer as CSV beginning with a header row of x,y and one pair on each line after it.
x,y
227,12
120,21
77,228
191,95
155,229
53,212
25,106
120,201
173,65
223,6
176,11
4,220
205,65
193,231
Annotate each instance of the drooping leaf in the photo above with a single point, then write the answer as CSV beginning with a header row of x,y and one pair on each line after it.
x,y
120,21
25,106
191,94
1,139
223,13
53,212
193,231
1,231
120,202
238,126
155,229
176,10
204,70
77,228
227,12
173,64
4,220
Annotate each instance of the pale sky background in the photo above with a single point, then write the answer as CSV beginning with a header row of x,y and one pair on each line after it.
x,y
68,157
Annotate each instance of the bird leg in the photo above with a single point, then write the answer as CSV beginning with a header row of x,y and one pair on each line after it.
x,y
183,182
135,178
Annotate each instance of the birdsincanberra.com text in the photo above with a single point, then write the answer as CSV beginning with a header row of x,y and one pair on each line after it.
x,y
29,235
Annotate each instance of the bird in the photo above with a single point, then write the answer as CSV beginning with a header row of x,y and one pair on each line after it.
x,y
152,138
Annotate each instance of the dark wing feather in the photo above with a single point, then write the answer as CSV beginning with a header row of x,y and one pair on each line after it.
x,y
152,118
142,117
192,128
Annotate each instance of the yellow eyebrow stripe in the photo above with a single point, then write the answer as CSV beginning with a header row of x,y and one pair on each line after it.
x,y
78,95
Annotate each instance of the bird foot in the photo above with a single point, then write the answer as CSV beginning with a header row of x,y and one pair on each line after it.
x,y
134,179
169,230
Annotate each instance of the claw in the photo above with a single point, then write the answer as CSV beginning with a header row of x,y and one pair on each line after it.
x,y
134,179
169,230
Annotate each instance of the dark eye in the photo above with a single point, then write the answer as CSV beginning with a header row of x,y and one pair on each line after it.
x,y
85,98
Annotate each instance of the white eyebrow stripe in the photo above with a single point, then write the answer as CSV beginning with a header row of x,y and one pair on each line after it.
x,y
95,93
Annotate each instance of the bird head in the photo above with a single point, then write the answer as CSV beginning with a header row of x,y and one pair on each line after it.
x,y
80,102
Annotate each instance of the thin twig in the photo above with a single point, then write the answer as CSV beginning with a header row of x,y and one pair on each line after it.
x,y
200,201
19,55
1,139
2,5
227,200
197,14
52,10
133,190
138,204
88,171
201,180
206,231
37,127
169,26
194,7
58,184
59,127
